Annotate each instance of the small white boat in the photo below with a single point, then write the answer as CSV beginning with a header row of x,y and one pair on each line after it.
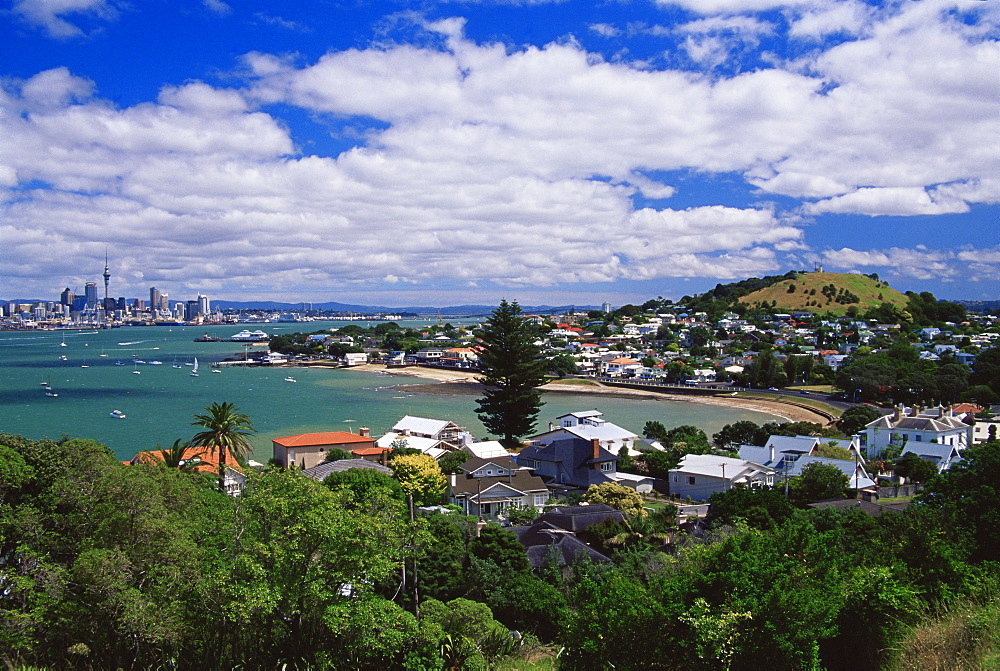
x,y
51,393
216,370
290,379
62,357
155,363
44,384
119,363
117,414
194,370
177,365
84,366
137,372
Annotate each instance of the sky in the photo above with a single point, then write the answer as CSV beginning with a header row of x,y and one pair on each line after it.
x,y
444,153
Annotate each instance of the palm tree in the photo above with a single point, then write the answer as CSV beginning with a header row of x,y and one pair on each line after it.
x,y
226,431
173,456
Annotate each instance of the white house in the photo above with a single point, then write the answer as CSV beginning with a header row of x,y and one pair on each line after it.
x,y
589,425
701,475
354,359
906,426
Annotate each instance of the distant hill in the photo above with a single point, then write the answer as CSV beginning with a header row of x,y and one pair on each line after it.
x,y
982,307
826,293
453,310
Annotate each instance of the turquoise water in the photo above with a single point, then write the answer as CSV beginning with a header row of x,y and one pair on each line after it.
x,y
160,401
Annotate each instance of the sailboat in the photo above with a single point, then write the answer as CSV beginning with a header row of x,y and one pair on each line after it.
x,y
194,371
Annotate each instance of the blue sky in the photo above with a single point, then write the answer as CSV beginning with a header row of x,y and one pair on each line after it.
x,y
441,153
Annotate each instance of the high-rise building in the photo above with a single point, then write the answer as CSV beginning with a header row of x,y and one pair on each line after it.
x,y
67,296
90,291
154,299
192,310
203,306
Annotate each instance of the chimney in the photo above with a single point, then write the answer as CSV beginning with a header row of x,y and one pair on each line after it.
x,y
365,432
771,460
595,446
454,479
897,413
384,457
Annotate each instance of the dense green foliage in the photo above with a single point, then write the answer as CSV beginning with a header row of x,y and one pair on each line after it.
x,y
105,565
512,370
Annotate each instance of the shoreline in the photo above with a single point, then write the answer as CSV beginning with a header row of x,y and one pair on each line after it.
x,y
463,382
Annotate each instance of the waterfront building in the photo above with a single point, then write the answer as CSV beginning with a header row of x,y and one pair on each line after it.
x,y
67,296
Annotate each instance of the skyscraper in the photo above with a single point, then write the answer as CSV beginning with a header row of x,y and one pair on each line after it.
x,y
90,291
67,296
154,299
203,306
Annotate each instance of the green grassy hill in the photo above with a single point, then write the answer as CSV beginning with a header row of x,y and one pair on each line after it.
x,y
823,293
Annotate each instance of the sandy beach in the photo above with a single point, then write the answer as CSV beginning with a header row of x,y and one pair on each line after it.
x,y
463,382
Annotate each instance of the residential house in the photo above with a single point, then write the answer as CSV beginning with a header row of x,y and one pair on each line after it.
x,y
590,425
570,462
552,536
202,460
310,449
942,456
432,446
547,545
440,429
701,475
906,426
321,471
488,487
621,366
986,430
429,355
779,449
486,449
857,476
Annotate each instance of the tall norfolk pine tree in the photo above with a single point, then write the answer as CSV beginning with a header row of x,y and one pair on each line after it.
x,y
513,369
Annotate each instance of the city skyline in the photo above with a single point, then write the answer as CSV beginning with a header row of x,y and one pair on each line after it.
x,y
452,153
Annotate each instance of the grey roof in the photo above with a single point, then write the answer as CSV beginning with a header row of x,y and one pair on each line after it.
x,y
320,471
578,518
543,540
577,458
520,480
800,444
847,467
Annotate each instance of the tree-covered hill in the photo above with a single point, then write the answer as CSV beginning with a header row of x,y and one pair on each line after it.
x,y
826,293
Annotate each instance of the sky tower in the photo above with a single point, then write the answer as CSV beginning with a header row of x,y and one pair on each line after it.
x,y
107,276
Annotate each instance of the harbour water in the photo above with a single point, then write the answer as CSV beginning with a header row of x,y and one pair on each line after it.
x,y
159,400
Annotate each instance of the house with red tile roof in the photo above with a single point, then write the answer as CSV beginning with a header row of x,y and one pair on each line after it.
x,y
201,460
310,449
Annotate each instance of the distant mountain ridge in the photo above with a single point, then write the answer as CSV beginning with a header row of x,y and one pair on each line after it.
x,y
452,310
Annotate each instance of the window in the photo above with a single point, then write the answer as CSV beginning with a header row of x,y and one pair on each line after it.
x,y
690,479
608,466
918,438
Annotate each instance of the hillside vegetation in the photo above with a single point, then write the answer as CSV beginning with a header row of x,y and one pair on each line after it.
x,y
822,293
